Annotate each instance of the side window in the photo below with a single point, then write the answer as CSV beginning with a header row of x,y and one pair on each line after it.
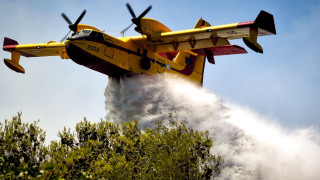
x,y
100,36
93,33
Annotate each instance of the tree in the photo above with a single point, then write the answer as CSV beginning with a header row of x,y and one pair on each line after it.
x,y
104,150
22,149
107,150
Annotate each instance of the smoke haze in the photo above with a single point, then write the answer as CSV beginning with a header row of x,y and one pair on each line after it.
x,y
252,147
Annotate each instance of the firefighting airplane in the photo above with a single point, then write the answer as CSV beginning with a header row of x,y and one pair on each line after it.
x,y
157,50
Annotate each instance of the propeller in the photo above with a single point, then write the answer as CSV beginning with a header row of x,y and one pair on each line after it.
x,y
72,27
136,20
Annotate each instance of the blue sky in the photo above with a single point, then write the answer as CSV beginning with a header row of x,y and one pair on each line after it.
x,y
282,84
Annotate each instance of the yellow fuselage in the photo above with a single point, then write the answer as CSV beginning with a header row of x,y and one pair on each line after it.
x,y
117,57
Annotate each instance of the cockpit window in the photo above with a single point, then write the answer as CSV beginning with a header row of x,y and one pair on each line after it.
x,y
90,33
83,32
86,32
96,35
100,36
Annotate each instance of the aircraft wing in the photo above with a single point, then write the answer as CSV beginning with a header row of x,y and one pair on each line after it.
x,y
212,36
31,50
36,50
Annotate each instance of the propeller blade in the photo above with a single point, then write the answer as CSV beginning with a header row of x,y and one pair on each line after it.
x,y
80,17
65,17
144,12
65,37
130,10
123,31
136,20
74,26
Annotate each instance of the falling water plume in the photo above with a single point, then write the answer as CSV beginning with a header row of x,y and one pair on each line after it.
x,y
253,147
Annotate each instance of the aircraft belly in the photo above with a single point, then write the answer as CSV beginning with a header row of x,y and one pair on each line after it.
x,y
94,61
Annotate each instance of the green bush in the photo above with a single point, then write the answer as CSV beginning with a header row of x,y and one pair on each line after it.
x,y
107,150
22,149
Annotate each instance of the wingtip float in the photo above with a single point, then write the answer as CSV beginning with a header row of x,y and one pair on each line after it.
x,y
159,50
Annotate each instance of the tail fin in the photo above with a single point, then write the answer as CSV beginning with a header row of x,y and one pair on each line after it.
x,y
194,65
199,67
193,62
200,60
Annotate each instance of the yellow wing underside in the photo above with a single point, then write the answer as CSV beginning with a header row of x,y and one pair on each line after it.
x,y
43,49
31,50
206,36
196,38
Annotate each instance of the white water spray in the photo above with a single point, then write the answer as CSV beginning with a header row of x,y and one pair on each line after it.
x,y
252,147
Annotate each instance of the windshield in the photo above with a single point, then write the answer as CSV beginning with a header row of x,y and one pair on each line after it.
x,y
86,32
83,32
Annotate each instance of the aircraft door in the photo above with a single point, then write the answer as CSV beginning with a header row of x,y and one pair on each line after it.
x,y
161,66
109,50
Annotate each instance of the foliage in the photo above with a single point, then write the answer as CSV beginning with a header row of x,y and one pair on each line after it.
x,y
107,150
22,149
